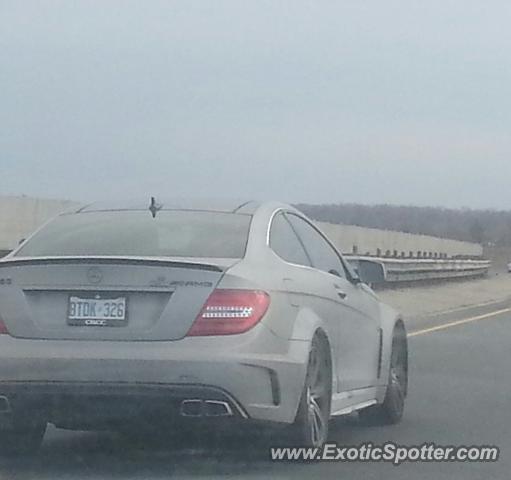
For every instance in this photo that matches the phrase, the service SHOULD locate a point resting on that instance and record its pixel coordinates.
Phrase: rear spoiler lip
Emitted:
(111, 260)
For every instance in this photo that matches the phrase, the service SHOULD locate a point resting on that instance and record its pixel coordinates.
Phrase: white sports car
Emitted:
(116, 314)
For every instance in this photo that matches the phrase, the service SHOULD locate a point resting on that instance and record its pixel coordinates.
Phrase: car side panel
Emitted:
(359, 340)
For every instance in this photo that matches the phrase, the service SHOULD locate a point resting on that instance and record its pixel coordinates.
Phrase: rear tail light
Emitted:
(229, 312)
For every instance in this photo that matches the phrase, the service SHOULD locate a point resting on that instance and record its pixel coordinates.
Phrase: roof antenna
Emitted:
(154, 208)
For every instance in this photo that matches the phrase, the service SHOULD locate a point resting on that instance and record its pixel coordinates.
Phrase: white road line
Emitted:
(468, 307)
(459, 322)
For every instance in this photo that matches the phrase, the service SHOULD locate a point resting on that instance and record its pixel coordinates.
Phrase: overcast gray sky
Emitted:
(404, 102)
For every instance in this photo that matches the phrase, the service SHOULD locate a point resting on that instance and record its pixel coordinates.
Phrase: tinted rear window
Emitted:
(136, 233)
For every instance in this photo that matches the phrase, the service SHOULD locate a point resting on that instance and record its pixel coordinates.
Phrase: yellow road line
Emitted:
(459, 322)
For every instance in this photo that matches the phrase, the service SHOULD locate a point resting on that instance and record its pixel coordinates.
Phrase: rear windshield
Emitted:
(137, 233)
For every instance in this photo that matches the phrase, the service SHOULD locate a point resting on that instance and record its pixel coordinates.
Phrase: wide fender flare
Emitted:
(306, 325)
(389, 319)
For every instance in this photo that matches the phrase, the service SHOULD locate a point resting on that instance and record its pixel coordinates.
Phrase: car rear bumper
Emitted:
(98, 405)
(65, 374)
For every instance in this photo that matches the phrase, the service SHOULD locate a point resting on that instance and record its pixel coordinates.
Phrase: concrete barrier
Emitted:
(386, 243)
(20, 216)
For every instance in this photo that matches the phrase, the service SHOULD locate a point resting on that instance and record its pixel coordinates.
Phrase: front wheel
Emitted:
(391, 410)
(311, 424)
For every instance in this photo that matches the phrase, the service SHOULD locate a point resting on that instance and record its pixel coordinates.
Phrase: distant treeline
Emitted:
(488, 227)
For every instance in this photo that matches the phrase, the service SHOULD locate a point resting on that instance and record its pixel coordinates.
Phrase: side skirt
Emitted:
(348, 402)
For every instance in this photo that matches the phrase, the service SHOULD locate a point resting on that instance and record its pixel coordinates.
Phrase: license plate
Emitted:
(97, 312)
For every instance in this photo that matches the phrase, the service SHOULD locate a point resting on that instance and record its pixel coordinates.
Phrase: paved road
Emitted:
(460, 394)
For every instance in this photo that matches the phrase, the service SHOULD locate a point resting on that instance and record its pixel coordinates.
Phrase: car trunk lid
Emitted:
(105, 298)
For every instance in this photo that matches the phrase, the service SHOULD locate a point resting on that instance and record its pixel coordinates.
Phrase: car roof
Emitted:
(211, 205)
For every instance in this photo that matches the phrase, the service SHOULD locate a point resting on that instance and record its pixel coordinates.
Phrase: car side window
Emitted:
(323, 256)
(285, 243)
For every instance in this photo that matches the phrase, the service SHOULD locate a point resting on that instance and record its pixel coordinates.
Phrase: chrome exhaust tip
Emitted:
(216, 408)
(191, 408)
(205, 408)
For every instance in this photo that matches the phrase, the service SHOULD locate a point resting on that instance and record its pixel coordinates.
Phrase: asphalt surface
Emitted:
(460, 394)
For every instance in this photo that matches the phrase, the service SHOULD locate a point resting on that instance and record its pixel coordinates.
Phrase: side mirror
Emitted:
(371, 272)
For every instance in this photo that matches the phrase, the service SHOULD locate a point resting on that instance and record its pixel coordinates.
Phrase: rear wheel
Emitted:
(22, 436)
(312, 419)
(391, 410)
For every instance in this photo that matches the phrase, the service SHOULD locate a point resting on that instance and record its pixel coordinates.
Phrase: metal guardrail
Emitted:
(418, 270)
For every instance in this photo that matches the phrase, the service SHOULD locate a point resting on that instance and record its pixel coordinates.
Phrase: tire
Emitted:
(22, 437)
(391, 410)
(310, 428)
